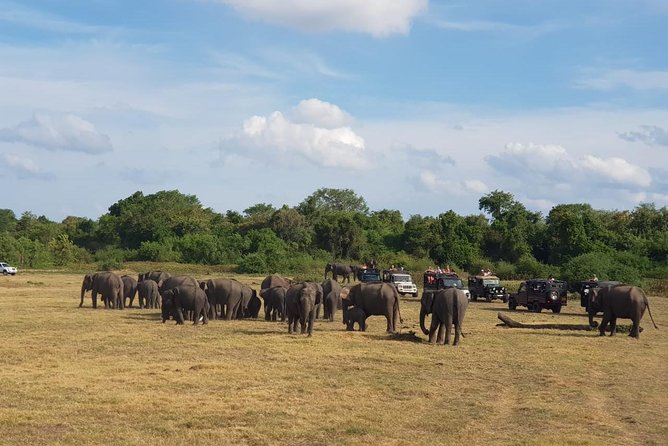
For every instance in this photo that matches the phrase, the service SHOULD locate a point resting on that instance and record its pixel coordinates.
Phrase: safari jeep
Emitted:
(536, 294)
(402, 280)
(369, 275)
(488, 287)
(438, 281)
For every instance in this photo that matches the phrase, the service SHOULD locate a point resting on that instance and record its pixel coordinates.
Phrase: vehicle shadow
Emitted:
(525, 311)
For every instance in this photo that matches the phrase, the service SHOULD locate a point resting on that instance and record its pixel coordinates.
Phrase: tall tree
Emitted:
(333, 200)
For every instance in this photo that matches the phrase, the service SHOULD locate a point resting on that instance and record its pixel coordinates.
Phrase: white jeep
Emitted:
(6, 269)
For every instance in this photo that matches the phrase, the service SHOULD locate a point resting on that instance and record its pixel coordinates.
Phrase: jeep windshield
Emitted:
(456, 283)
(490, 282)
(402, 278)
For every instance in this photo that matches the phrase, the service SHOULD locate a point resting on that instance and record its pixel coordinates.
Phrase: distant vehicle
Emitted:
(6, 269)
(402, 280)
(369, 275)
(536, 294)
(487, 286)
(438, 281)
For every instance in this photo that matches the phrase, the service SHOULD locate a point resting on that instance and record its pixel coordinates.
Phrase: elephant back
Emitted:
(172, 282)
(274, 280)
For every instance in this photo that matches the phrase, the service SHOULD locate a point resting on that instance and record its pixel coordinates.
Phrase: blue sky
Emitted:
(421, 106)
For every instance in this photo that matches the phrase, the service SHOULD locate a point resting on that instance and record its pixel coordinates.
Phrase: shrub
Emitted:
(253, 263)
(605, 266)
(111, 258)
(528, 267)
(157, 252)
(505, 270)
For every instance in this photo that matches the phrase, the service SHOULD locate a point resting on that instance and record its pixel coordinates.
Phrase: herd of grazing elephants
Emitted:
(182, 297)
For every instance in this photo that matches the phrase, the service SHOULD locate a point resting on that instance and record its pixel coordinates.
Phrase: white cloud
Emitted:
(58, 132)
(625, 78)
(376, 17)
(441, 185)
(23, 164)
(280, 137)
(320, 113)
(650, 135)
(617, 170)
(552, 164)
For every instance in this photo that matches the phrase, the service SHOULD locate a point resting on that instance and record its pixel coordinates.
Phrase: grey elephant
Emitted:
(380, 299)
(250, 303)
(157, 276)
(149, 296)
(174, 281)
(623, 301)
(129, 289)
(228, 294)
(185, 298)
(300, 306)
(107, 284)
(274, 303)
(275, 280)
(339, 269)
(331, 291)
(355, 316)
(446, 307)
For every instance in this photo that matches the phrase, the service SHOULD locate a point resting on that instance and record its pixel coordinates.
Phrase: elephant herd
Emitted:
(182, 297)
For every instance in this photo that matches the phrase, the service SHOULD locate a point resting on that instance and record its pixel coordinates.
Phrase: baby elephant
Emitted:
(185, 298)
(355, 315)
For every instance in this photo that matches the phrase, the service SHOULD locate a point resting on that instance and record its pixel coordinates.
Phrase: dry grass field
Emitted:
(73, 375)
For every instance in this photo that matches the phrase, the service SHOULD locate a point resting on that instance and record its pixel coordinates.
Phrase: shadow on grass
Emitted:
(144, 316)
(525, 311)
(410, 336)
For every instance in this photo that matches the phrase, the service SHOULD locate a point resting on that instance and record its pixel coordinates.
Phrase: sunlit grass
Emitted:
(81, 376)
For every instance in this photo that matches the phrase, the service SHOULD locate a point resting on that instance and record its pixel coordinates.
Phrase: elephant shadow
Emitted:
(410, 336)
(144, 316)
(261, 333)
(526, 311)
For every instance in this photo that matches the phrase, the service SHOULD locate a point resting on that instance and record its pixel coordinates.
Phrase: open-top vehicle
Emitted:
(369, 275)
(488, 287)
(437, 281)
(536, 294)
(402, 280)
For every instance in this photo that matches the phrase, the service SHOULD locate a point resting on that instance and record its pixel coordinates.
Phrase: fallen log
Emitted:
(508, 322)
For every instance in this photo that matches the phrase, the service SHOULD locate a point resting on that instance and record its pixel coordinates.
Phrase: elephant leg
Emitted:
(310, 323)
(439, 337)
(317, 311)
(93, 297)
(363, 325)
(604, 324)
(635, 328)
(179, 316)
(432, 329)
(205, 316)
(448, 327)
(613, 325)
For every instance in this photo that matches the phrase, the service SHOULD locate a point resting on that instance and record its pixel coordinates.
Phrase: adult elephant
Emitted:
(185, 298)
(338, 269)
(157, 276)
(275, 280)
(228, 294)
(129, 289)
(250, 303)
(274, 303)
(331, 291)
(174, 281)
(300, 303)
(624, 301)
(149, 296)
(446, 306)
(109, 285)
(380, 299)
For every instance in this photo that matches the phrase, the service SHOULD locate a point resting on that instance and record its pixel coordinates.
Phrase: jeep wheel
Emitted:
(556, 309)
(474, 297)
(4, 273)
(505, 299)
(535, 307)
(414, 295)
(512, 305)
(489, 298)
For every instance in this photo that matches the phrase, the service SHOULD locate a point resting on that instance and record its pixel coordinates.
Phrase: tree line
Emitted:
(572, 241)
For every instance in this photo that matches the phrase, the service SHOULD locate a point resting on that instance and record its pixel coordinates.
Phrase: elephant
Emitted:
(355, 315)
(625, 301)
(275, 280)
(107, 284)
(300, 303)
(228, 294)
(446, 306)
(339, 269)
(380, 299)
(149, 297)
(185, 297)
(129, 289)
(157, 276)
(250, 303)
(274, 303)
(174, 281)
(331, 291)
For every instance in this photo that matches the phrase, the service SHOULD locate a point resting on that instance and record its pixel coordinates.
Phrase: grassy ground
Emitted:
(81, 376)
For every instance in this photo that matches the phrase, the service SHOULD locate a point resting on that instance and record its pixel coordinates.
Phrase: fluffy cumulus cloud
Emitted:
(442, 185)
(649, 134)
(320, 113)
(58, 132)
(22, 167)
(376, 17)
(281, 138)
(552, 164)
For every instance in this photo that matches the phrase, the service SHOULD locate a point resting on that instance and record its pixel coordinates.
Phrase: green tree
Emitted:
(339, 234)
(7, 220)
(333, 200)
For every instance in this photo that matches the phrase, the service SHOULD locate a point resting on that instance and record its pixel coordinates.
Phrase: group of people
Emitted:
(445, 270)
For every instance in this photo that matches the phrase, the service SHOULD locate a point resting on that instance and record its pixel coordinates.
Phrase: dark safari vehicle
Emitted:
(438, 281)
(536, 294)
(369, 275)
(488, 287)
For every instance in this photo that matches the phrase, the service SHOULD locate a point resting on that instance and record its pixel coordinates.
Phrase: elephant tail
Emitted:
(650, 311)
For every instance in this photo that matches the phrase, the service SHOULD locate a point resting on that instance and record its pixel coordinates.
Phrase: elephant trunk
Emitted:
(423, 314)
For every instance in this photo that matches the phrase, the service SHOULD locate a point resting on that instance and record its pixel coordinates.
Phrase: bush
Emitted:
(157, 252)
(253, 263)
(528, 267)
(111, 258)
(505, 270)
(605, 266)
